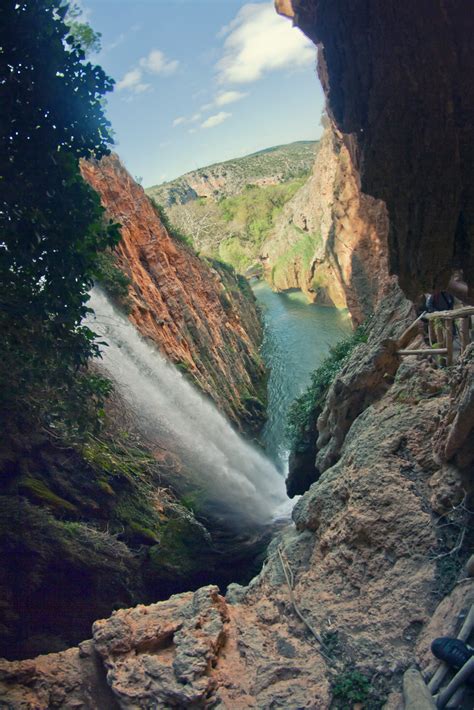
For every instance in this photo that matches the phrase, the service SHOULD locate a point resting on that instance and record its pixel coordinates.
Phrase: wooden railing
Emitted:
(441, 332)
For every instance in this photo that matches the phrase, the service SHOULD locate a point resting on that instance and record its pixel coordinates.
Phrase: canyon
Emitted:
(200, 315)
(373, 566)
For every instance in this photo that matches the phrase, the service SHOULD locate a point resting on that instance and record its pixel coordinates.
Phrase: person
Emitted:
(439, 301)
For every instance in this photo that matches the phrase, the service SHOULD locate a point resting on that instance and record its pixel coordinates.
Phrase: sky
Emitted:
(202, 81)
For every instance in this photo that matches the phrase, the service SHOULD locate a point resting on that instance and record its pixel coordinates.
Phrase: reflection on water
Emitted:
(298, 336)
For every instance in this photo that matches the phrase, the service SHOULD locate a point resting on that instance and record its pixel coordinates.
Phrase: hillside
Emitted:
(266, 167)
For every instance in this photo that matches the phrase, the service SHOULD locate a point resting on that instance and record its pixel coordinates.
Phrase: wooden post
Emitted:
(448, 327)
(424, 351)
(440, 333)
(464, 332)
(458, 680)
(431, 333)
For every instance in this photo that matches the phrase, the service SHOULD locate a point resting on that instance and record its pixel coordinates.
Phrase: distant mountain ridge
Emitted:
(265, 167)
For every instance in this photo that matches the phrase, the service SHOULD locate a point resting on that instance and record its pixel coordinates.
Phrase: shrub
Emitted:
(173, 231)
(305, 408)
(113, 279)
(350, 687)
(302, 252)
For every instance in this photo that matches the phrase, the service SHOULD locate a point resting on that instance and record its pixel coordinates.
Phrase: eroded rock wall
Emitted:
(200, 315)
(366, 555)
(330, 239)
(398, 88)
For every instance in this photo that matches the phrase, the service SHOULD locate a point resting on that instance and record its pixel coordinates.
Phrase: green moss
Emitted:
(181, 549)
(142, 533)
(38, 491)
(117, 458)
(109, 274)
(106, 488)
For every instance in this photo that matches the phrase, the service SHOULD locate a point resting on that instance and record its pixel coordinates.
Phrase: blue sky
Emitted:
(200, 81)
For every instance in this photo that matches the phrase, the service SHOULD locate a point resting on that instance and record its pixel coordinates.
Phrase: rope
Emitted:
(287, 571)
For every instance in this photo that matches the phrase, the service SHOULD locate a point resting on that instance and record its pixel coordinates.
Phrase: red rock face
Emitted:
(347, 231)
(196, 312)
(399, 87)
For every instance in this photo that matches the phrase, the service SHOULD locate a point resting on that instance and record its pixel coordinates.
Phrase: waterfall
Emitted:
(236, 480)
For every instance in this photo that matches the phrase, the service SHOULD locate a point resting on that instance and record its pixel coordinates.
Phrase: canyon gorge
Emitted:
(154, 562)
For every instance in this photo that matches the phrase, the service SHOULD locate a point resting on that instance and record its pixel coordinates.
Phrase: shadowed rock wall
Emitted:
(398, 84)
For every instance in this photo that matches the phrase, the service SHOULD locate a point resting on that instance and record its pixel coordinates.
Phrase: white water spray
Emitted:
(235, 478)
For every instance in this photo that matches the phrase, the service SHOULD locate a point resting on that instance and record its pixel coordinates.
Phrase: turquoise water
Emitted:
(297, 338)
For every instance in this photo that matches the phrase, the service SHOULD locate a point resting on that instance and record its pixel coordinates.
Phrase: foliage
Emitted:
(173, 231)
(51, 221)
(286, 162)
(88, 39)
(246, 220)
(118, 457)
(301, 252)
(113, 279)
(350, 687)
(234, 228)
(304, 409)
(240, 255)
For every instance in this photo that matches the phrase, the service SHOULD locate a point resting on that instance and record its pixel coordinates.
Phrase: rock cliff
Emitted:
(267, 167)
(200, 314)
(330, 240)
(369, 564)
(398, 89)
(379, 541)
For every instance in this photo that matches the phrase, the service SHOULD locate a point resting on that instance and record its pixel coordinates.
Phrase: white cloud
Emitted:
(156, 63)
(183, 120)
(132, 81)
(258, 41)
(229, 97)
(216, 120)
(115, 43)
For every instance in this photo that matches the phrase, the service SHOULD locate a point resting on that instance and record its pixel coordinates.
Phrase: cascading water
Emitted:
(235, 479)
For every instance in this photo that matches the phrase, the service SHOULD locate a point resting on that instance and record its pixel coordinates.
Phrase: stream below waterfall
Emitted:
(297, 338)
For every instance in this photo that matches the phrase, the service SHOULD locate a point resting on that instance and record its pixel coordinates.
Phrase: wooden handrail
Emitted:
(424, 351)
(440, 328)
(451, 315)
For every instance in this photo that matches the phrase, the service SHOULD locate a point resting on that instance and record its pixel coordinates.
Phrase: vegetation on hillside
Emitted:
(234, 228)
(281, 163)
(173, 230)
(301, 253)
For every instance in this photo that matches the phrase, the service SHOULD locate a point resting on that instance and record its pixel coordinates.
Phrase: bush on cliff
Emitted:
(174, 231)
(114, 281)
(305, 410)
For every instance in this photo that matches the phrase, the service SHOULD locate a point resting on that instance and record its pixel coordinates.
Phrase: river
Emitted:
(297, 338)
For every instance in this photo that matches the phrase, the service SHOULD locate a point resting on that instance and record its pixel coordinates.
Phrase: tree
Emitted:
(51, 222)
(81, 31)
